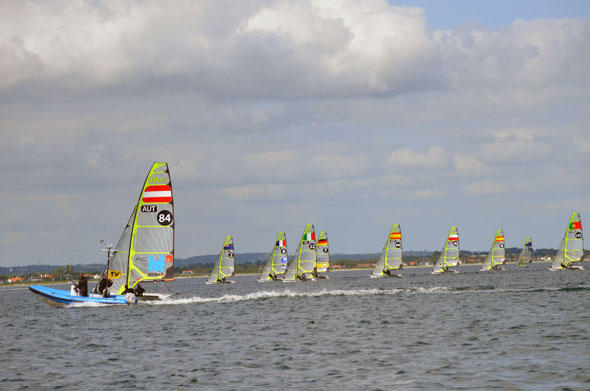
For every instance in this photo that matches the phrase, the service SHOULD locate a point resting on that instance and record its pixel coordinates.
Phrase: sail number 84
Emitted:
(164, 217)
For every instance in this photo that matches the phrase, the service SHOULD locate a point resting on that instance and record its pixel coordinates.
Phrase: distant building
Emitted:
(15, 279)
(187, 272)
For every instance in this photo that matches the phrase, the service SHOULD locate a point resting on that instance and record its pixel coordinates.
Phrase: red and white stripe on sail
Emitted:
(453, 237)
(157, 193)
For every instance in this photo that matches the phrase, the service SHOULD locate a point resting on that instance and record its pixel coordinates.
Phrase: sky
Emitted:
(272, 114)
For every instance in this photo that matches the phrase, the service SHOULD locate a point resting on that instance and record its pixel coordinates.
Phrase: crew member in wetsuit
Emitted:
(82, 286)
(102, 286)
(139, 290)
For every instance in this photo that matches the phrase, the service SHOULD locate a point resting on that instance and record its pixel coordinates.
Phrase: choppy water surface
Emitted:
(521, 329)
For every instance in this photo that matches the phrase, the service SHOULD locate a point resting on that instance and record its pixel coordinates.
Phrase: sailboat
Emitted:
(449, 255)
(322, 251)
(497, 255)
(224, 267)
(526, 254)
(391, 255)
(571, 248)
(276, 265)
(304, 261)
(144, 253)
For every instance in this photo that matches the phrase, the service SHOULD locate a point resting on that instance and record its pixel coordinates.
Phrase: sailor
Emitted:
(102, 286)
(139, 290)
(82, 286)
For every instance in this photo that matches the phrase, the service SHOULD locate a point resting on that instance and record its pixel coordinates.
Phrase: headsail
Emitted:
(145, 250)
(497, 255)
(303, 263)
(526, 255)
(391, 255)
(276, 264)
(571, 248)
(450, 252)
(224, 267)
(322, 253)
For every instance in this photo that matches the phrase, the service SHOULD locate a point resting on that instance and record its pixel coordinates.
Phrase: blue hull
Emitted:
(62, 298)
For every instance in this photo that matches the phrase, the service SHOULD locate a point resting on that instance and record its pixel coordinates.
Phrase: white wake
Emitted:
(291, 294)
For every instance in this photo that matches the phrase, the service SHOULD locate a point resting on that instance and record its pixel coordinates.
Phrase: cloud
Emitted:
(12, 238)
(435, 158)
(255, 192)
(484, 188)
(273, 112)
(426, 194)
(469, 165)
(514, 149)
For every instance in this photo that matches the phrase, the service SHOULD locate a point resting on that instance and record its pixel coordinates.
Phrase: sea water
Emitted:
(521, 329)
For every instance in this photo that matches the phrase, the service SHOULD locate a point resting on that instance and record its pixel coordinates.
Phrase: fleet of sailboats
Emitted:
(145, 252)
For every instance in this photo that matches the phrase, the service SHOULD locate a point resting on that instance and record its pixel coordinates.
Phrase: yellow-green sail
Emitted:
(450, 252)
(497, 255)
(526, 254)
(276, 265)
(224, 267)
(303, 263)
(145, 250)
(391, 255)
(571, 248)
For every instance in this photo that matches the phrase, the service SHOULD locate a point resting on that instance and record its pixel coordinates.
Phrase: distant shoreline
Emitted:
(25, 284)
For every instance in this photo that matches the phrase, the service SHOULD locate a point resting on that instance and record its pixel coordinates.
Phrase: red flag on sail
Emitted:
(157, 193)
